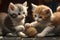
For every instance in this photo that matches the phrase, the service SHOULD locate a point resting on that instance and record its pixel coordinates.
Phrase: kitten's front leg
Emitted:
(33, 24)
(20, 30)
(45, 31)
(21, 34)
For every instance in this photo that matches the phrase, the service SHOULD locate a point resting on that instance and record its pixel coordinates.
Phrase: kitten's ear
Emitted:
(33, 6)
(11, 6)
(25, 3)
(58, 9)
(47, 11)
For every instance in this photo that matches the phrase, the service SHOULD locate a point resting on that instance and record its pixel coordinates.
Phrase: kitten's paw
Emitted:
(21, 34)
(27, 25)
(1, 37)
(20, 28)
(40, 35)
(11, 34)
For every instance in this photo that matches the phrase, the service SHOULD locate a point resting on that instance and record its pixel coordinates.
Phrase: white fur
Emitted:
(12, 11)
(25, 8)
(34, 24)
(25, 3)
(18, 22)
(20, 27)
(52, 16)
(33, 6)
(45, 31)
(22, 34)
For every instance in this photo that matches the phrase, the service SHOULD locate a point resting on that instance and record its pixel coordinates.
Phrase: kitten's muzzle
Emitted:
(39, 20)
(22, 17)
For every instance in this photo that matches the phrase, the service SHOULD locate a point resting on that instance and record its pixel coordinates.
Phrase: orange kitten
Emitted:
(43, 16)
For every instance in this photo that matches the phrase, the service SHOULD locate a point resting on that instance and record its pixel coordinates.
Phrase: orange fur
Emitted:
(44, 16)
(40, 10)
(31, 31)
(58, 9)
(56, 18)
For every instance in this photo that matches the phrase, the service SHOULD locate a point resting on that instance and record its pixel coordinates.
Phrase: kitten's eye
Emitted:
(35, 15)
(40, 16)
(23, 12)
(19, 14)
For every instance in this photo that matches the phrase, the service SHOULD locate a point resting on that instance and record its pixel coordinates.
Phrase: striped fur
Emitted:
(14, 20)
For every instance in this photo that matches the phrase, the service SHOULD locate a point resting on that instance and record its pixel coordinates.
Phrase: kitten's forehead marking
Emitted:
(40, 9)
(19, 6)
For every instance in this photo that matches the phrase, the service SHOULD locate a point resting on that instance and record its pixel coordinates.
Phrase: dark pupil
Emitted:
(35, 15)
(18, 13)
(40, 17)
(23, 12)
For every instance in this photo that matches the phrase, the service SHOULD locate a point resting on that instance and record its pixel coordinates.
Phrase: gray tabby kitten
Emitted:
(13, 22)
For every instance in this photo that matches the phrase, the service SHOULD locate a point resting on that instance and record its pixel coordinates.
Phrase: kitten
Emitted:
(14, 21)
(43, 16)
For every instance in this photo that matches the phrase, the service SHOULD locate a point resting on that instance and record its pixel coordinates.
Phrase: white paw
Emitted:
(22, 34)
(40, 35)
(20, 28)
(10, 34)
(1, 37)
(27, 25)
